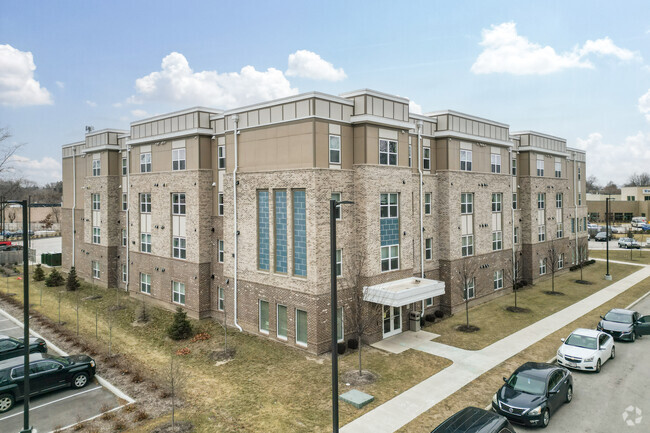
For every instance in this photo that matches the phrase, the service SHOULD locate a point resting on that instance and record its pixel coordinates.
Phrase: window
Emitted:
(466, 160)
(124, 241)
(514, 166)
(282, 322)
(428, 302)
(410, 155)
(96, 273)
(337, 210)
(542, 266)
(540, 167)
(145, 202)
(514, 200)
(559, 200)
(495, 163)
(301, 327)
(426, 158)
(221, 254)
(340, 336)
(388, 205)
(466, 203)
(573, 225)
(630, 198)
(178, 159)
(221, 157)
(124, 167)
(220, 204)
(96, 201)
(497, 198)
(145, 163)
(97, 167)
(96, 235)
(387, 152)
(263, 231)
(498, 279)
(560, 261)
(428, 248)
(335, 149)
(516, 235)
(221, 299)
(145, 242)
(541, 233)
(558, 169)
(541, 200)
(579, 199)
(124, 274)
(497, 241)
(178, 203)
(145, 283)
(579, 173)
(299, 233)
(560, 230)
(389, 258)
(264, 317)
(178, 292)
(179, 248)
(469, 289)
(467, 248)
(427, 203)
(125, 202)
(339, 262)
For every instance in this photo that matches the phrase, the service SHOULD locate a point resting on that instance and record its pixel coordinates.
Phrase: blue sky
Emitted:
(578, 70)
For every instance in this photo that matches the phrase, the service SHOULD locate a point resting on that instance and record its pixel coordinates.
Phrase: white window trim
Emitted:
(221, 156)
(277, 322)
(176, 158)
(388, 152)
(96, 272)
(220, 248)
(388, 205)
(220, 209)
(300, 343)
(495, 163)
(149, 283)
(342, 339)
(146, 163)
(473, 287)
(179, 293)
(428, 250)
(468, 246)
(426, 159)
(339, 209)
(179, 248)
(390, 258)
(221, 299)
(178, 204)
(427, 202)
(259, 316)
(339, 263)
(542, 266)
(498, 277)
(466, 203)
(467, 160)
(330, 149)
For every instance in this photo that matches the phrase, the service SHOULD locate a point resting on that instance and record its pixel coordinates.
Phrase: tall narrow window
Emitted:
(145, 283)
(124, 167)
(560, 261)
(178, 203)
(97, 167)
(340, 335)
(497, 199)
(427, 203)
(426, 158)
(389, 258)
(96, 202)
(145, 202)
(495, 165)
(541, 233)
(179, 247)
(124, 274)
(220, 204)
(263, 247)
(178, 292)
(467, 245)
(280, 231)
(221, 299)
(466, 160)
(335, 149)
(428, 248)
(301, 327)
(558, 169)
(221, 253)
(282, 322)
(96, 273)
(560, 230)
(541, 200)
(145, 242)
(96, 235)
(579, 173)
(497, 241)
(579, 199)
(540, 167)
(466, 203)
(389, 231)
(410, 155)
(221, 157)
(337, 211)
(515, 235)
(178, 159)
(542, 266)
(339, 262)
(559, 199)
(498, 279)
(299, 233)
(387, 152)
(514, 200)
(145, 162)
(264, 317)
(469, 289)
(514, 166)
(125, 202)
(124, 241)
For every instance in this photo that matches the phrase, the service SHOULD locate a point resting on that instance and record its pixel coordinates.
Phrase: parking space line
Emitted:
(7, 329)
(52, 402)
(4, 320)
(90, 419)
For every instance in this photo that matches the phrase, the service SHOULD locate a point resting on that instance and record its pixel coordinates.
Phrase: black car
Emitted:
(602, 236)
(11, 347)
(475, 420)
(624, 324)
(533, 393)
(46, 373)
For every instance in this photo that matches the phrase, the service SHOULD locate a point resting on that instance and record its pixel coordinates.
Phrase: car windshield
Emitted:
(527, 384)
(582, 341)
(618, 317)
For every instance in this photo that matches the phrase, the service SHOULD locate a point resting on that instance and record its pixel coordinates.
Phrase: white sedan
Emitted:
(586, 349)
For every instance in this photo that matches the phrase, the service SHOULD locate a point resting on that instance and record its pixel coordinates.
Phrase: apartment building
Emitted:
(226, 213)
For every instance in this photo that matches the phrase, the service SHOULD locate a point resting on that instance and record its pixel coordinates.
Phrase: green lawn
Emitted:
(496, 322)
(641, 256)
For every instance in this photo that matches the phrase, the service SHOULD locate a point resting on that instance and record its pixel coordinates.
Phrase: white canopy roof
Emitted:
(403, 292)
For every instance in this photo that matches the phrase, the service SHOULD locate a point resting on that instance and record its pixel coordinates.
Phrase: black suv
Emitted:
(475, 420)
(46, 373)
(12, 347)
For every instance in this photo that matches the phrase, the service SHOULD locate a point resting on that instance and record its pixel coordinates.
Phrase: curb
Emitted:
(103, 382)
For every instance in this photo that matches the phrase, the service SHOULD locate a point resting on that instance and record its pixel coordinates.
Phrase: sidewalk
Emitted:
(469, 365)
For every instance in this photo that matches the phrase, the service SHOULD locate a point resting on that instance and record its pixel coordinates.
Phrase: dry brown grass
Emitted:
(641, 256)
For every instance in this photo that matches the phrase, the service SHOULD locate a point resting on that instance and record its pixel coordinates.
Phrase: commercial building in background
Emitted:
(226, 213)
(633, 201)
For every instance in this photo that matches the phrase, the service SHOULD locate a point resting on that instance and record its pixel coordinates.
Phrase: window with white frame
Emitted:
(335, 149)
(516, 235)
(145, 242)
(145, 202)
(410, 155)
(559, 200)
(178, 159)
(497, 241)
(96, 273)
(220, 204)
(96, 201)
(387, 152)
(145, 162)
(389, 258)
(124, 273)
(428, 248)
(579, 173)
(97, 167)
(145, 283)
(282, 319)
(221, 299)
(388, 205)
(498, 279)
(495, 163)
(340, 334)
(514, 166)
(179, 247)
(497, 199)
(579, 199)
(264, 316)
(124, 241)
(221, 157)
(540, 167)
(466, 160)
(178, 203)
(178, 292)
(426, 158)
(124, 167)
(469, 289)
(558, 169)
(125, 202)
(301, 327)
(541, 233)
(514, 200)
(428, 302)
(466, 203)
(467, 245)
(542, 266)
(339, 262)
(560, 230)
(96, 235)
(560, 261)
(427, 203)
(541, 200)
(221, 253)
(337, 210)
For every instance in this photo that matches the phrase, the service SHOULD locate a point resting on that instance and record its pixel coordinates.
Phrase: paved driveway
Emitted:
(43, 245)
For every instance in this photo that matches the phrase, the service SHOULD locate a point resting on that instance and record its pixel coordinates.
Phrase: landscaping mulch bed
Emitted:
(585, 282)
(514, 309)
(353, 378)
(222, 355)
(551, 293)
(179, 427)
(467, 328)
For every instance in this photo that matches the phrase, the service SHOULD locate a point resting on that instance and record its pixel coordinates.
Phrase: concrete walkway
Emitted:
(469, 365)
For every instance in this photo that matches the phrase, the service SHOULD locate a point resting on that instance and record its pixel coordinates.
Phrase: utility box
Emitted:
(414, 321)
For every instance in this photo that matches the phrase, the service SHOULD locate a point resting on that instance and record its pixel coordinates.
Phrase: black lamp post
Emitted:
(334, 307)
(607, 275)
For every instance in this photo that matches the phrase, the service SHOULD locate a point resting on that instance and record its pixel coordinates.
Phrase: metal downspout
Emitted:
(74, 200)
(575, 202)
(128, 215)
(235, 119)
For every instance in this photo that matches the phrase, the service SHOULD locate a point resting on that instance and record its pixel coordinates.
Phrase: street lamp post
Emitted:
(607, 275)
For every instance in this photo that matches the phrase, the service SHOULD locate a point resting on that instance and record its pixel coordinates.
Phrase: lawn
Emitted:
(496, 322)
(267, 387)
(480, 391)
(641, 256)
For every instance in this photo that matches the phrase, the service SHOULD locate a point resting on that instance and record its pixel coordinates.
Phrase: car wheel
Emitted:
(546, 417)
(80, 380)
(569, 394)
(598, 366)
(633, 337)
(613, 354)
(6, 402)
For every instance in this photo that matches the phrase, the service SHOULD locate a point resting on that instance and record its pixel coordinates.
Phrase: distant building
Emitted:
(633, 201)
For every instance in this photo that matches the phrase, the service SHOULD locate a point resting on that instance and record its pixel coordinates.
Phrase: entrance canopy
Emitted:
(403, 292)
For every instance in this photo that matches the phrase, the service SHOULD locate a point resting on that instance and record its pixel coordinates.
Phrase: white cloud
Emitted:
(506, 51)
(415, 108)
(40, 171)
(177, 83)
(644, 105)
(60, 84)
(139, 113)
(307, 64)
(17, 83)
(615, 161)
(91, 103)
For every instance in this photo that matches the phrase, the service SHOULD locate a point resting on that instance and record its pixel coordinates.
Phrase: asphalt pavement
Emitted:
(43, 245)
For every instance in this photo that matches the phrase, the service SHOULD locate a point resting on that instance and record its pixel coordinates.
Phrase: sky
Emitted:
(579, 70)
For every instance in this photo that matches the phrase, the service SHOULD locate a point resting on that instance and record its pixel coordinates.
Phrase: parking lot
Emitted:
(616, 399)
(44, 245)
(61, 408)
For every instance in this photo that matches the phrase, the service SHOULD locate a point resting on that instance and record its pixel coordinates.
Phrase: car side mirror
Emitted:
(602, 317)
(60, 367)
(553, 392)
(562, 340)
(505, 379)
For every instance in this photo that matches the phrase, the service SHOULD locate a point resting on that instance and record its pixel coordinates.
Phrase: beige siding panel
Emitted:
(372, 145)
(347, 150)
(347, 113)
(322, 108)
(377, 107)
(359, 107)
(302, 109)
(276, 114)
(335, 111)
(265, 116)
(322, 145)
(388, 109)
(359, 144)
(289, 111)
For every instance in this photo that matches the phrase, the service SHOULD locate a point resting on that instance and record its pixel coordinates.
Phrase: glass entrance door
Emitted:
(392, 320)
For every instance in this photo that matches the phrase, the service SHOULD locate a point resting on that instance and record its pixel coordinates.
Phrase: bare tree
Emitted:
(630, 234)
(611, 188)
(592, 184)
(7, 150)
(514, 275)
(56, 213)
(467, 274)
(175, 381)
(583, 254)
(642, 179)
(552, 256)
